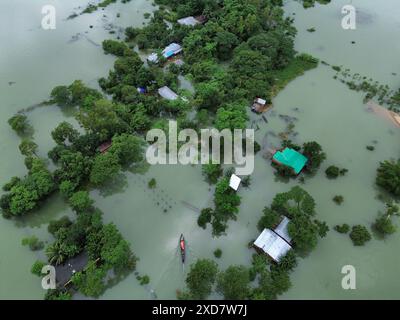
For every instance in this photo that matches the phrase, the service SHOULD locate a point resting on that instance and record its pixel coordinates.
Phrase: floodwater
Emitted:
(320, 107)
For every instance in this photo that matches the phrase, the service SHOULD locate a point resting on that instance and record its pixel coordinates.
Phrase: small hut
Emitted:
(259, 105)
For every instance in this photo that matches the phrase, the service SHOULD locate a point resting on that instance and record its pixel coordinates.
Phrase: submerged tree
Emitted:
(201, 278)
(388, 176)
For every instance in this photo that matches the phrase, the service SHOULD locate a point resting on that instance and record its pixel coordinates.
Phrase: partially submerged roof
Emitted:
(282, 230)
(65, 271)
(272, 244)
(188, 21)
(291, 158)
(167, 93)
(234, 182)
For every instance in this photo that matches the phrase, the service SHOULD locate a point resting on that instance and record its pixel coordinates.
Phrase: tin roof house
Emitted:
(169, 51)
(275, 243)
(272, 244)
(290, 158)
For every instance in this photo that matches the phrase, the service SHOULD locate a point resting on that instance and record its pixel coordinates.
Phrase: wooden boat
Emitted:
(182, 246)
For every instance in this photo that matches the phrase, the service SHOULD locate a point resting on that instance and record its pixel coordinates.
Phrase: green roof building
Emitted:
(290, 158)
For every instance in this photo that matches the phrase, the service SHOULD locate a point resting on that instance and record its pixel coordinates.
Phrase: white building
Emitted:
(272, 244)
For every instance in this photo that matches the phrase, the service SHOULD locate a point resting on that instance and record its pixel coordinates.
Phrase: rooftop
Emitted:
(188, 21)
(272, 244)
(291, 158)
(167, 93)
(234, 182)
(282, 230)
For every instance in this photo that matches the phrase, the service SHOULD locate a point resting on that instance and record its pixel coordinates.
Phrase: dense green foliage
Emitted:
(201, 278)
(212, 172)
(26, 194)
(33, 243)
(359, 235)
(234, 283)
(388, 176)
(383, 224)
(19, 123)
(344, 228)
(226, 202)
(36, 268)
(338, 199)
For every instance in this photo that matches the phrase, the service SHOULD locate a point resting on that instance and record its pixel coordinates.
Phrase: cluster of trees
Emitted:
(212, 172)
(75, 94)
(299, 207)
(311, 3)
(359, 235)
(24, 195)
(388, 176)
(383, 224)
(20, 124)
(105, 246)
(332, 172)
(204, 276)
(93, 7)
(263, 280)
(226, 207)
(254, 38)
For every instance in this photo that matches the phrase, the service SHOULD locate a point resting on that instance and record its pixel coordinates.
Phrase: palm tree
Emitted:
(55, 253)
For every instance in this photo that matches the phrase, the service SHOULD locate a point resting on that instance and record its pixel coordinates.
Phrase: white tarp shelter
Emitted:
(272, 244)
(188, 21)
(234, 182)
(167, 93)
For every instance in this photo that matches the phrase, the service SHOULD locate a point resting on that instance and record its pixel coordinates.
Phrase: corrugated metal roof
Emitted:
(272, 244)
(171, 50)
(282, 229)
(167, 93)
(291, 158)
